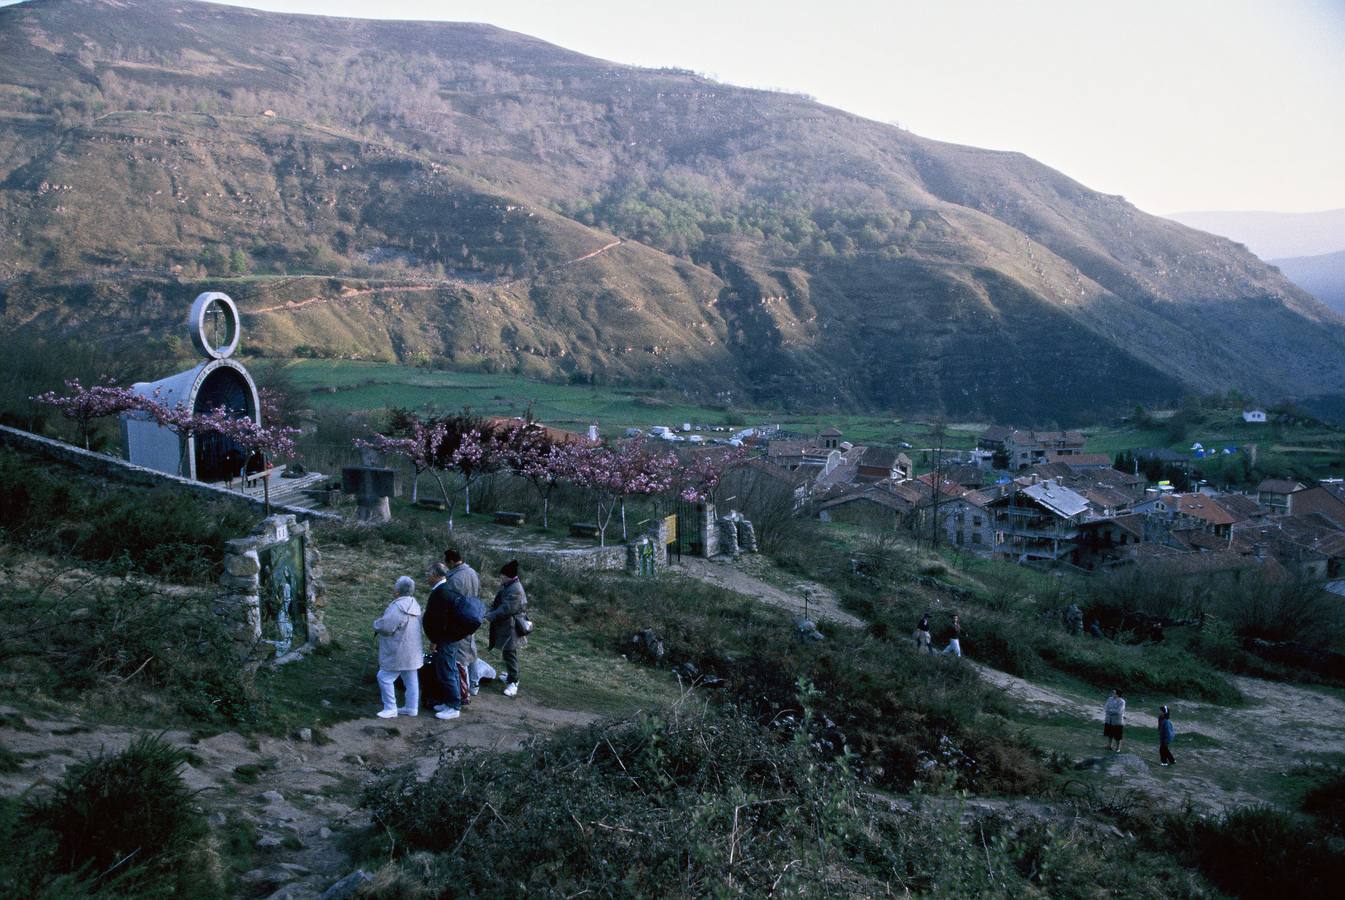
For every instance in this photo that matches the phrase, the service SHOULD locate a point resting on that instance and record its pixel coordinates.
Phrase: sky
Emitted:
(1176, 104)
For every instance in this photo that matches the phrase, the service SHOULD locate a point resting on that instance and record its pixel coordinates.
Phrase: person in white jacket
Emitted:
(401, 650)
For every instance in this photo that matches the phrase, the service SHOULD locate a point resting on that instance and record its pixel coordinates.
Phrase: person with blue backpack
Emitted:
(453, 613)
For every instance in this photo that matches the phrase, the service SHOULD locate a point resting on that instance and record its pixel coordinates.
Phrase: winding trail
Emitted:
(420, 286)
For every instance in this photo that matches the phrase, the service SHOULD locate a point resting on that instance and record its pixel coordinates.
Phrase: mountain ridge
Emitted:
(770, 246)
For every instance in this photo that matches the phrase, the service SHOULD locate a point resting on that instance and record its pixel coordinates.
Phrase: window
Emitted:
(976, 520)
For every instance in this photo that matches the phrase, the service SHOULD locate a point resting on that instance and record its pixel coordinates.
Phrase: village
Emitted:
(1036, 498)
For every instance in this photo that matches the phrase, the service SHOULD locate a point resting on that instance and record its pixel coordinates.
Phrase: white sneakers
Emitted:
(408, 711)
(448, 713)
(511, 689)
(387, 713)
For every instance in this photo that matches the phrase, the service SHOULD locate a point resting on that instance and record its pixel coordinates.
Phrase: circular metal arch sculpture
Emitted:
(215, 330)
(214, 325)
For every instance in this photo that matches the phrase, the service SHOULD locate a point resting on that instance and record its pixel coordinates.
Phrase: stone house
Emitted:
(1039, 521)
(883, 463)
(1105, 544)
(1028, 448)
(1277, 495)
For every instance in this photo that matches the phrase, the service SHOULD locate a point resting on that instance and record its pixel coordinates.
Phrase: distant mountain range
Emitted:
(1274, 235)
(465, 196)
(1322, 276)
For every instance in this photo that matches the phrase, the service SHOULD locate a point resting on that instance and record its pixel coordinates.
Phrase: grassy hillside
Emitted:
(407, 191)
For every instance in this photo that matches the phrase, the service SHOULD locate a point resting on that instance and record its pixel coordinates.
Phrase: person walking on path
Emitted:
(401, 650)
(923, 641)
(463, 580)
(954, 637)
(1113, 720)
(1166, 731)
(508, 623)
(438, 612)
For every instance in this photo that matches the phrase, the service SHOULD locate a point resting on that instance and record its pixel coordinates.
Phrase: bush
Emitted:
(121, 824)
(1327, 803)
(1259, 852)
(895, 711)
(160, 531)
(116, 638)
(704, 802)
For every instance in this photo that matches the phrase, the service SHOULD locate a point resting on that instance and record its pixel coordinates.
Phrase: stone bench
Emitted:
(584, 530)
(509, 518)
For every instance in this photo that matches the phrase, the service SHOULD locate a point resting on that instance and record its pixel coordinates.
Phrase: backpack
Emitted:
(464, 616)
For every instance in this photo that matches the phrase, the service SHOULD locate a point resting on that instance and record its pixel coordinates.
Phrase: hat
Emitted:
(510, 569)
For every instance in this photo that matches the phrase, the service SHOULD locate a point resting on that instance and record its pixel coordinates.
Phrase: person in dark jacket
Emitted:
(506, 618)
(438, 610)
(954, 635)
(923, 640)
(1166, 731)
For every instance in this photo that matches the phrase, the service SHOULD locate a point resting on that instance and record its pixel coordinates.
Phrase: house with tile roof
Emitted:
(1039, 521)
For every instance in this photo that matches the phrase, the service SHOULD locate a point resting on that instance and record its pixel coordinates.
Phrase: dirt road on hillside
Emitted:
(822, 603)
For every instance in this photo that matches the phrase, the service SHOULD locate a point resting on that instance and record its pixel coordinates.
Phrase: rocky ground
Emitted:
(295, 798)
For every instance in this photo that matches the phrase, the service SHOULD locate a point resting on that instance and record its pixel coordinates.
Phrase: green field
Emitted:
(359, 386)
(352, 386)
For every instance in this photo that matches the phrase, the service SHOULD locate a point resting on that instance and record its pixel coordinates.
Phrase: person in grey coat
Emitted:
(463, 580)
(505, 617)
(401, 650)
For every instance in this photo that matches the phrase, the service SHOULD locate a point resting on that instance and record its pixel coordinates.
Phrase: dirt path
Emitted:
(1225, 756)
(352, 293)
(296, 797)
(822, 603)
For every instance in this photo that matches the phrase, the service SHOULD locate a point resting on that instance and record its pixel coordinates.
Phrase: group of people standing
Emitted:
(1113, 727)
(452, 614)
(925, 641)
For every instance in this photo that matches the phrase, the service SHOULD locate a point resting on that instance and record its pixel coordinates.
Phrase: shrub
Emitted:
(115, 638)
(1259, 852)
(708, 802)
(121, 824)
(1327, 803)
(894, 710)
(160, 531)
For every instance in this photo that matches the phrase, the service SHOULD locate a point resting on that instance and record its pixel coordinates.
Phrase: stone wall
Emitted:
(114, 469)
(586, 559)
(240, 600)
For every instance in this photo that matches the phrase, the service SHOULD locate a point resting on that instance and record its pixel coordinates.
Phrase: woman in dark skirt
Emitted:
(1113, 720)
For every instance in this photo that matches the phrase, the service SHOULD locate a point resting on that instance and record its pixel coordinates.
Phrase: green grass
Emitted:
(356, 386)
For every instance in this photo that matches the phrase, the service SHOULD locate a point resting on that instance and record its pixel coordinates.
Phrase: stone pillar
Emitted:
(709, 531)
(372, 486)
(747, 535)
(728, 536)
(239, 602)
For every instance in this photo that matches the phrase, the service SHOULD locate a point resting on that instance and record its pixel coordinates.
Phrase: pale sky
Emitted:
(1176, 104)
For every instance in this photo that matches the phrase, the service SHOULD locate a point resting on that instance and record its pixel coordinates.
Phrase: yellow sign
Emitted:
(670, 528)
